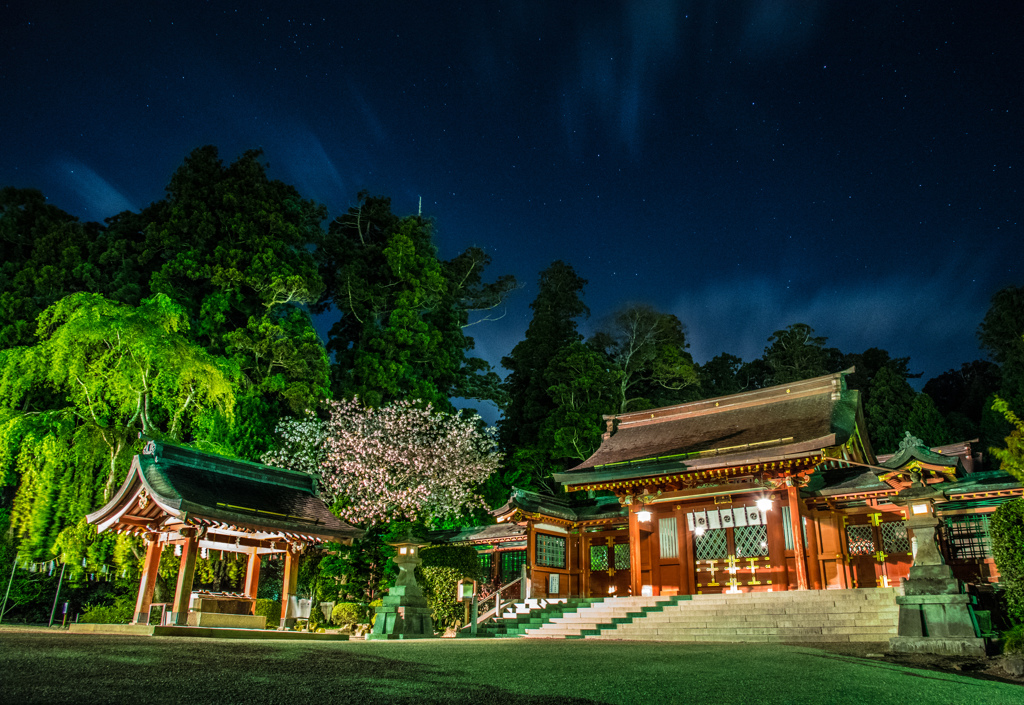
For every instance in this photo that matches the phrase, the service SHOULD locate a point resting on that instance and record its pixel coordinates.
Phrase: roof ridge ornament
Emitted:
(910, 442)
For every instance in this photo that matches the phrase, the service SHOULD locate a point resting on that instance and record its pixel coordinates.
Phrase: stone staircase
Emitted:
(532, 614)
(806, 616)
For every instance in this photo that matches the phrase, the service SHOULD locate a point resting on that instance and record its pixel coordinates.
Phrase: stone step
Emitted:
(797, 616)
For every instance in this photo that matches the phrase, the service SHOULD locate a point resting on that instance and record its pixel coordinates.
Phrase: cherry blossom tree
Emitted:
(395, 462)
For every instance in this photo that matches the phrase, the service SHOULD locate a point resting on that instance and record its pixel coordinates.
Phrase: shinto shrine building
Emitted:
(767, 490)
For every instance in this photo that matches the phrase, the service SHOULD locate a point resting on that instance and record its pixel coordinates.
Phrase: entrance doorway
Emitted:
(608, 563)
(879, 549)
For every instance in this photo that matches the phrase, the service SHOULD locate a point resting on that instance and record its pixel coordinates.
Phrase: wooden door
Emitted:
(879, 549)
(733, 560)
(608, 564)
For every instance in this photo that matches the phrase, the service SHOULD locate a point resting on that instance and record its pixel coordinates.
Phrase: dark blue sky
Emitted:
(745, 165)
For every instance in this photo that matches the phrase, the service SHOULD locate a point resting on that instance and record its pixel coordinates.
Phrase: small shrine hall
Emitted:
(771, 489)
(198, 502)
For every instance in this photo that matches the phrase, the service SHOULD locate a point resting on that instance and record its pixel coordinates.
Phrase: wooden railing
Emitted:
(483, 615)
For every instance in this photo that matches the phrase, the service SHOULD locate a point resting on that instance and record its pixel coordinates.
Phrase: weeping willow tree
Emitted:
(72, 407)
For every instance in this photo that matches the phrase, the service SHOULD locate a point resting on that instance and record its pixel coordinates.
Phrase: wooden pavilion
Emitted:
(772, 489)
(177, 496)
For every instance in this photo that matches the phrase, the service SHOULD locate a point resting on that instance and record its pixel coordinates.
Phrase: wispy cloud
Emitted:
(618, 65)
(309, 168)
(738, 316)
(100, 199)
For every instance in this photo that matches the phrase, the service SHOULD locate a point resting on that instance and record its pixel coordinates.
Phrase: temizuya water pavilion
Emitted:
(182, 497)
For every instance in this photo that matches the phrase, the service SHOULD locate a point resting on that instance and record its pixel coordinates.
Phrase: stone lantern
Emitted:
(404, 614)
(936, 615)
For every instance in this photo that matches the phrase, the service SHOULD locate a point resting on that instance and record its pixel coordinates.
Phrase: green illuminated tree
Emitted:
(583, 387)
(235, 249)
(1011, 458)
(74, 404)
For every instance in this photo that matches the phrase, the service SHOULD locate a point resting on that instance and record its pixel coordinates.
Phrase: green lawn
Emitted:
(55, 667)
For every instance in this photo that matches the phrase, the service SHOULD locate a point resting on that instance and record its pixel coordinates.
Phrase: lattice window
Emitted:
(551, 551)
(894, 537)
(621, 556)
(710, 545)
(599, 558)
(668, 537)
(511, 564)
(486, 560)
(969, 536)
(751, 541)
(860, 540)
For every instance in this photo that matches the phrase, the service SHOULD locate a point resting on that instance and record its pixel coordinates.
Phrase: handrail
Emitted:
(496, 596)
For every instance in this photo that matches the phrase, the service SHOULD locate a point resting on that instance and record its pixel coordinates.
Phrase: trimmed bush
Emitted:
(271, 609)
(443, 567)
(349, 614)
(1007, 527)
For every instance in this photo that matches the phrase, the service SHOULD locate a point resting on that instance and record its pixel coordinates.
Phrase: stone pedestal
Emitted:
(404, 615)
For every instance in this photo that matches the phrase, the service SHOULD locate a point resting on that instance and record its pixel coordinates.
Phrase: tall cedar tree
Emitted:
(528, 450)
(234, 248)
(795, 353)
(553, 328)
(404, 311)
(888, 410)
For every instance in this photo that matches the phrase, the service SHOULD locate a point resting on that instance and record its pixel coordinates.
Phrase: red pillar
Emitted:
(252, 574)
(584, 565)
(686, 565)
(798, 541)
(813, 562)
(526, 589)
(291, 582)
(147, 583)
(186, 573)
(635, 577)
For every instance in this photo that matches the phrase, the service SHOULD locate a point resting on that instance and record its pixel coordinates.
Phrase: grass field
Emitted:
(56, 667)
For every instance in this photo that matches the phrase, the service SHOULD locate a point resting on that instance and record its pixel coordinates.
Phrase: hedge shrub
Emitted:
(271, 609)
(443, 566)
(121, 612)
(1007, 527)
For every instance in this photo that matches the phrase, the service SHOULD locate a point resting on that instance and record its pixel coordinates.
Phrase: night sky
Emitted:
(745, 165)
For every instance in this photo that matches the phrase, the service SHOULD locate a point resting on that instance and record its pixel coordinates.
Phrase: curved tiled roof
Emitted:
(774, 422)
(201, 487)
